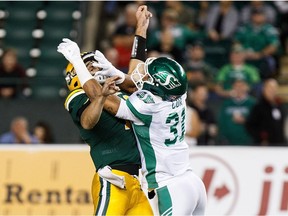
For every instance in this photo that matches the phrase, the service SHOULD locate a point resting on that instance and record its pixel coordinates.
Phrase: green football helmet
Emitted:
(161, 76)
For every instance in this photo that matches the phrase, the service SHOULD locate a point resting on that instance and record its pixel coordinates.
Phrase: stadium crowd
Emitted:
(231, 52)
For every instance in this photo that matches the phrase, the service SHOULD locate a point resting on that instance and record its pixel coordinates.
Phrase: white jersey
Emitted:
(159, 127)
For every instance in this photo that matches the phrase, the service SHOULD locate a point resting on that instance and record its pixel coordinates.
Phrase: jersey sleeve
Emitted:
(75, 104)
(272, 36)
(138, 108)
(221, 76)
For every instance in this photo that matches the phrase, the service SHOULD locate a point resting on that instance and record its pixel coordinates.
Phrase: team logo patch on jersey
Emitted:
(168, 81)
(146, 98)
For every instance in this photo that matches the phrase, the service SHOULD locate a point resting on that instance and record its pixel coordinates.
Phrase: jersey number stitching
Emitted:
(174, 118)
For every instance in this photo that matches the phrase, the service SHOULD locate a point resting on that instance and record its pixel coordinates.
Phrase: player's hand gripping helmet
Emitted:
(72, 79)
(162, 76)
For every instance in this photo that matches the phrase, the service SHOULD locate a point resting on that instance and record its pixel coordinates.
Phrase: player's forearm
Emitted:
(92, 113)
(141, 31)
(132, 65)
(128, 85)
(92, 89)
(138, 53)
(112, 104)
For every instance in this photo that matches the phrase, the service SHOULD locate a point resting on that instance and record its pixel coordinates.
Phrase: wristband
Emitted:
(82, 72)
(139, 48)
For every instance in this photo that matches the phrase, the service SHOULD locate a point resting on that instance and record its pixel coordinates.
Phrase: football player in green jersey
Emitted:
(157, 111)
(116, 189)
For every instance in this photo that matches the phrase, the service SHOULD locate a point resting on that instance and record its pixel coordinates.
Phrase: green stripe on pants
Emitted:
(164, 201)
(104, 197)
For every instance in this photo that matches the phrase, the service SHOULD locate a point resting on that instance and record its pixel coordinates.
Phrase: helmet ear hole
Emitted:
(75, 84)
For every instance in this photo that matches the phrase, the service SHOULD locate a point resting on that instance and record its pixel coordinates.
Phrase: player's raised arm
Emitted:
(71, 52)
(92, 88)
(92, 113)
(108, 70)
(138, 53)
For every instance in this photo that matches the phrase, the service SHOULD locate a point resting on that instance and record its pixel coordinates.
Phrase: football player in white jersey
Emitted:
(158, 111)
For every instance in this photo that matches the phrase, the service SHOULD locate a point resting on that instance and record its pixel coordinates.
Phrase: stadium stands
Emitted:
(34, 29)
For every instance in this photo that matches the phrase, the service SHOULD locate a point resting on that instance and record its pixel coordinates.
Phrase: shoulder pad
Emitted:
(71, 96)
(145, 96)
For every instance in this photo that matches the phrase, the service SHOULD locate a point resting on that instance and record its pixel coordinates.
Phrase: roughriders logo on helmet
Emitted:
(167, 80)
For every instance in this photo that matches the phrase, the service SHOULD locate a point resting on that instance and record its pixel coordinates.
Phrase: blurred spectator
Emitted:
(43, 133)
(266, 120)
(222, 21)
(11, 74)
(19, 133)
(267, 9)
(182, 34)
(112, 55)
(233, 114)
(261, 42)
(202, 14)
(282, 7)
(187, 14)
(167, 47)
(193, 126)
(124, 35)
(237, 68)
(153, 53)
(196, 67)
(197, 99)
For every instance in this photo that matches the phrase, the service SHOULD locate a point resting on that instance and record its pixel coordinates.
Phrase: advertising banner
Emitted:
(243, 180)
(56, 179)
(45, 180)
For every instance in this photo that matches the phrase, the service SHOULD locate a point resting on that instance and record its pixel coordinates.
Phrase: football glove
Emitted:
(70, 50)
(108, 70)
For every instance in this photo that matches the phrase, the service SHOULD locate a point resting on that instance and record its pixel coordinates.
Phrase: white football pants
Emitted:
(183, 195)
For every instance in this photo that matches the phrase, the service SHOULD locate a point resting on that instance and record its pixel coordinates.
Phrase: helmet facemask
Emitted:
(140, 74)
(161, 76)
(69, 76)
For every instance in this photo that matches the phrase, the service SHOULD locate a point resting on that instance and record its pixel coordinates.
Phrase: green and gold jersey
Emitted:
(111, 141)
